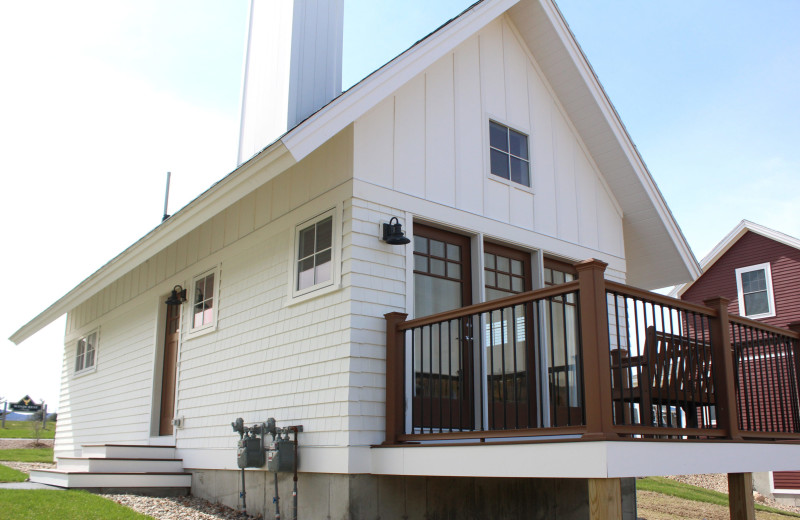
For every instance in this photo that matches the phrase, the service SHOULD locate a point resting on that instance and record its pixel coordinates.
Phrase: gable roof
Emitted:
(729, 241)
(656, 251)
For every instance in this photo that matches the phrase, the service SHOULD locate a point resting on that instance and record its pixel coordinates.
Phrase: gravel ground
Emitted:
(16, 444)
(179, 508)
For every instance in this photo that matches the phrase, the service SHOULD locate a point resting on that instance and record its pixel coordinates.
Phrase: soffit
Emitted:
(656, 251)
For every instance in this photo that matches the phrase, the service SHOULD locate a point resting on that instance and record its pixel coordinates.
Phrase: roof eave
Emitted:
(724, 245)
(691, 268)
(267, 164)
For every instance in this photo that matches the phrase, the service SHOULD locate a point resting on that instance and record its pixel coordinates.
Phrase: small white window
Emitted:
(314, 254)
(86, 353)
(205, 300)
(508, 154)
(754, 285)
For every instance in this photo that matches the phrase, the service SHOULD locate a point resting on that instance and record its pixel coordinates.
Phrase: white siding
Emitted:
(377, 283)
(268, 357)
(112, 403)
(438, 123)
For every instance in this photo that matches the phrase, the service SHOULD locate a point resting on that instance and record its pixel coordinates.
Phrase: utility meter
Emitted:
(280, 455)
(250, 453)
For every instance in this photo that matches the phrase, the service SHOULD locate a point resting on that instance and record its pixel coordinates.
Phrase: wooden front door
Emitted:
(169, 369)
(509, 341)
(442, 357)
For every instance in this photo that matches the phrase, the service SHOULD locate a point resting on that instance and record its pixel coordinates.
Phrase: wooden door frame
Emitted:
(531, 360)
(468, 402)
(158, 362)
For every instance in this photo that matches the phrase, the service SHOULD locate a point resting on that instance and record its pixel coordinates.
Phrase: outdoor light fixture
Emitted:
(177, 297)
(393, 233)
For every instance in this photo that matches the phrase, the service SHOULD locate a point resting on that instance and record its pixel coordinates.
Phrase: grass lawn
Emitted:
(11, 475)
(28, 455)
(23, 430)
(44, 504)
(673, 488)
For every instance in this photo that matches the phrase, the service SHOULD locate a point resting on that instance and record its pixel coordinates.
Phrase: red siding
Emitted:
(720, 280)
(751, 249)
(786, 480)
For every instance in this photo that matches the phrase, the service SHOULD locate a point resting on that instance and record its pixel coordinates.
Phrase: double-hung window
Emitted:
(86, 353)
(314, 254)
(205, 301)
(754, 288)
(508, 154)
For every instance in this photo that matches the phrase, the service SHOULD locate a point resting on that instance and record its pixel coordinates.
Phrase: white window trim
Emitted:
(487, 154)
(209, 327)
(297, 296)
(87, 370)
(770, 295)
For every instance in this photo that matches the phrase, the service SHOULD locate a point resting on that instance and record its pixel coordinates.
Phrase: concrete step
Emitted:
(127, 451)
(119, 465)
(110, 480)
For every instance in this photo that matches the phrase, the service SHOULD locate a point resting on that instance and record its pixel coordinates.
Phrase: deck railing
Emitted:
(592, 359)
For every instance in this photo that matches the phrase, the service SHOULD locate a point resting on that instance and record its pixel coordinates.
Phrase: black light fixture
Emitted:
(393, 233)
(177, 297)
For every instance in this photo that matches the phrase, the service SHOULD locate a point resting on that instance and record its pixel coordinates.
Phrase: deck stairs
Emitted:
(118, 468)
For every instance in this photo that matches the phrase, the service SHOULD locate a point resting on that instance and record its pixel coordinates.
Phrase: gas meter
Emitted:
(250, 452)
(280, 454)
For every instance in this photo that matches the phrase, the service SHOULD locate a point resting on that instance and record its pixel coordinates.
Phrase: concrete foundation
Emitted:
(381, 497)
(762, 483)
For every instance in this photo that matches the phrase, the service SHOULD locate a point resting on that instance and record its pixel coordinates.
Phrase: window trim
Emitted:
(93, 367)
(298, 295)
(770, 294)
(488, 147)
(193, 331)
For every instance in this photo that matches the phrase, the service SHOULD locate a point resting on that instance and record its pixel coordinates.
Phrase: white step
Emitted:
(83, 480)
(127, 451)
(109, 465)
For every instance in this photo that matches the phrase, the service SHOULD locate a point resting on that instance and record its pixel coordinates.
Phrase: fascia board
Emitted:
(263, 167)
(354, 103)
(622, 137)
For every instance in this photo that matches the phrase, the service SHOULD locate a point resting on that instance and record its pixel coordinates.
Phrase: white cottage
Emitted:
(493, 144)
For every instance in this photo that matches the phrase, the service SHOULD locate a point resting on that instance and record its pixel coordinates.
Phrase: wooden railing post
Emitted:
(724, 376)
(594, 345)
(395, 377)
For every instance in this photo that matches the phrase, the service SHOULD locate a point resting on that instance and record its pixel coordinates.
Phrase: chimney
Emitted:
(293, 67)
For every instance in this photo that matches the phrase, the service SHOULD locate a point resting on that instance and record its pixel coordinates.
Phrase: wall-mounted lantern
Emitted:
(177, 297)
(393, 233)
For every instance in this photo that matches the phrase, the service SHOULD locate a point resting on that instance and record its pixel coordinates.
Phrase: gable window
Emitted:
(86, 353)
(508, 154)
(205, 300)
(314, 248)
(754, 285)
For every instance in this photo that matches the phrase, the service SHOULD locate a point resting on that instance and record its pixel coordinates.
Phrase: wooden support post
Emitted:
(724, 377)
(740, 496)
(594, 347)
(605, 499)
(395, 377)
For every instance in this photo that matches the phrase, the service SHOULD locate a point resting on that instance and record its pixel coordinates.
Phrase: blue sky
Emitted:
(100, 99)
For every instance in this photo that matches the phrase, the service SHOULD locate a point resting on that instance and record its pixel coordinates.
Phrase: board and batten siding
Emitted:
(265, 359)
(753, 249)
(430, 140)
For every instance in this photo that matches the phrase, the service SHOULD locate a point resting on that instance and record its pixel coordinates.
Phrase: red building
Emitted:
(758, 270)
